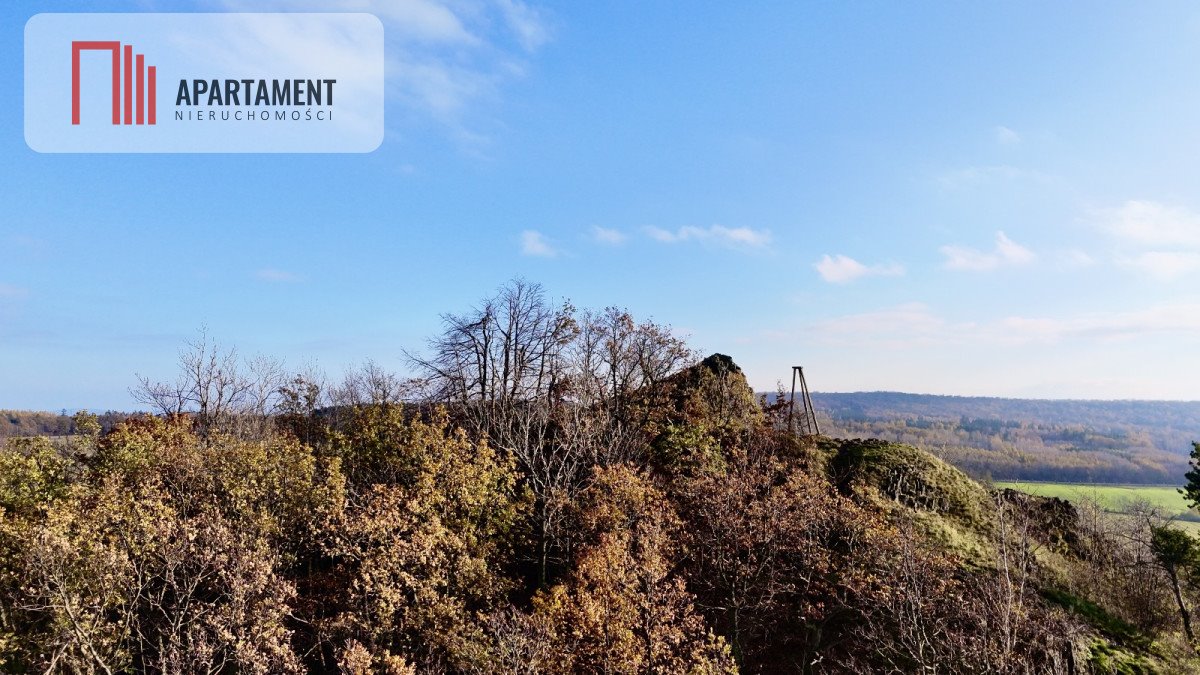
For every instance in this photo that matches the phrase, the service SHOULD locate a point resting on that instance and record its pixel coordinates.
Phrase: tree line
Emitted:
(1107, 441)
(1001, 449)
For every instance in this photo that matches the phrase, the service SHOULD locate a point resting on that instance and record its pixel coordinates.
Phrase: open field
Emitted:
(1114, 498)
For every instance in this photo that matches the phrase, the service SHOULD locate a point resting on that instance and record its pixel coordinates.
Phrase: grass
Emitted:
(1114, 498)
(943, 501)
(1095, 615)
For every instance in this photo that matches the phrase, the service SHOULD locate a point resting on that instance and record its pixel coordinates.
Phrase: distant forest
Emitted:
(24, 423)
(1027, 439)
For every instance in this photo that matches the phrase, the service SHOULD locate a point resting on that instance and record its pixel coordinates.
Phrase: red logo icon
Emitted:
(145, 109)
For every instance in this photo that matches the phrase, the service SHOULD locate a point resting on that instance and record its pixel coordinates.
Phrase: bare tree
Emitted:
(501, 369)
(549, 388)
(301, 399)
(617, 366)
(371, 384)
(221, 391)
(510, 348)
(1008, 596)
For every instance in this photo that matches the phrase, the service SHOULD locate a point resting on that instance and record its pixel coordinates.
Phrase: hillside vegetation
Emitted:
(561, 492)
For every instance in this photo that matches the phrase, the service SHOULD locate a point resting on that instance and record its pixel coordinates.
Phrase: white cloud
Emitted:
(907, 325)
(841, 269)
(659, 234)
(526, 23)
(1006, 253)
(1163, 265)
(1105, 326)
(291, 42)
(608, 236)
(421, 21)
(1152, 224)
(973, 176)
(916, 325)
(275, 276)
(714, 234)
(445, 59)
(1076, 258)
(1153, 239)
(1006, 136)
(533, 243)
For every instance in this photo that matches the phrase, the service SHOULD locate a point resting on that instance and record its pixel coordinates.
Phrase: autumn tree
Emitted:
(423, 544)
(552, 388)
(911, 620)
(773, 552)
(166, 553)
(623, 610)
(218, 388)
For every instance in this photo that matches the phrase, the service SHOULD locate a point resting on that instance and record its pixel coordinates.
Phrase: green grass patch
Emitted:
(1114, 498)
(945, 504)
(1095, 615)
(1125, 649)
(1108, 659)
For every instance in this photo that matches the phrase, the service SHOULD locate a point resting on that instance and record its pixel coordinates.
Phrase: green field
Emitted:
(1114, 498)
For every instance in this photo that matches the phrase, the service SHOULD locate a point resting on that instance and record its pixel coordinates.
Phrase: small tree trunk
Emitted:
(1184, 614)
(543, 547)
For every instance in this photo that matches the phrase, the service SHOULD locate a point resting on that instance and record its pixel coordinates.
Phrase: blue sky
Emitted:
(958, 198)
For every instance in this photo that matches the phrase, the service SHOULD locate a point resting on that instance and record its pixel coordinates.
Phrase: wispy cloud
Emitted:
(608, 236)
(914, 325)
(1006, 136)
(276, 276)
(1152, 224)
(1175, 318)
(446, 60)
(1163, 265)
(1156, 240)
(1007, 253)
(743, 237)
(1076, 258)
(534, 243)
(10, 292)
(423, 21)
(527, 23)
(841, 269)
(907, 325)
(975, 176)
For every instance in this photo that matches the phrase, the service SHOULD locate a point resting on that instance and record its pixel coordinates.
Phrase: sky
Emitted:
(992, 199)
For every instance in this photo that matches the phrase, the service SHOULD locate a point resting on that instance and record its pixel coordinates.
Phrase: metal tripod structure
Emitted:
(806, 422)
